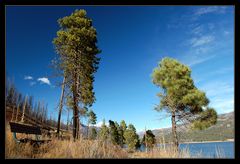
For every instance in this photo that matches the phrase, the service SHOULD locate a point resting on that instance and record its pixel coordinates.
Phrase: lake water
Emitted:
(209, 150)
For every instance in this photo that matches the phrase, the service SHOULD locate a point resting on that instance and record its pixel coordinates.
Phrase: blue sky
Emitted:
(133, 39)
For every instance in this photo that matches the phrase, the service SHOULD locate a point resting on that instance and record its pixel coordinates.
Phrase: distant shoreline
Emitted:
(229, 140)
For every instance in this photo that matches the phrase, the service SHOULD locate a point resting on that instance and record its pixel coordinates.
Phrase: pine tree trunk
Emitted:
(60, 107)
(78, 118)
(68, 120)
(174, 131)
(75, 109)
(79, 127)
(88, 131)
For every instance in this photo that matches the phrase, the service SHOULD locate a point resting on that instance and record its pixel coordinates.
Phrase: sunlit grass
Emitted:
(64, 149)
(83, 148)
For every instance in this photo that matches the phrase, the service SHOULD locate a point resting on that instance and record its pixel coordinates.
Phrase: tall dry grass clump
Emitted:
(165, 150)
(81, 149)
(17, 150)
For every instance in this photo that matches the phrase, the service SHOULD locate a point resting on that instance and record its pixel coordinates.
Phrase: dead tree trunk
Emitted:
(24, 108)
(17, 113)
(60, 107)
(13, 113)
(146, 145)
(42, 112)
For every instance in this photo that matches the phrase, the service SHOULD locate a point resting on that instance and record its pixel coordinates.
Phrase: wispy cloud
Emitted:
(194, 59)
(201, 43)
(195, 42)
(215, 89)
(205, 42)
(28, 78)
(199, 48)
(198, 30)
(32, 83)
(197, 55)
(223, 105)
(44, 80)
(214, 73)
(221, 95)
(210, 9)
(211, 26)
(226, 32)
(223, 70)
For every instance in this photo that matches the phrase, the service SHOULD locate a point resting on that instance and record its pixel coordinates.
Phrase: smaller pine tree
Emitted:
(131, 138)
(104, 132)
(148, 139)
(93, 133)
(122, 129)
(113, 132)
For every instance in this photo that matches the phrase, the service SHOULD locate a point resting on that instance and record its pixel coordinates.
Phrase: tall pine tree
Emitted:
(76, 46)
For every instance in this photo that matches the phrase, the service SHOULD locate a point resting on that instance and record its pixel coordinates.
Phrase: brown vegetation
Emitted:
(63, 149)
(83, 148)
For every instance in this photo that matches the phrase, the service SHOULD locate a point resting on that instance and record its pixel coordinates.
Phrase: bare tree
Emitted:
(60, 106)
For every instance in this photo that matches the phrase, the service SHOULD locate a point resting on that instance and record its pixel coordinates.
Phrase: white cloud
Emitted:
(28, 77)
(203, 40)
(44, 80)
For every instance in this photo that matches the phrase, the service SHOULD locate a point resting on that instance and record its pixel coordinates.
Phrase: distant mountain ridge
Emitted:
(223, 130)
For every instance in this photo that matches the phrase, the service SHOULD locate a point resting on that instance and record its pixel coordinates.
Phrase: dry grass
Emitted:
(163, 151)
(81, 149)
(90, 149)
(168, 152)
(160, 152)
(63, 149)
(14, 150)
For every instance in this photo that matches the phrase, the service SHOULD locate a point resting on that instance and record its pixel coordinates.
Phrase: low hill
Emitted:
(223, 130)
